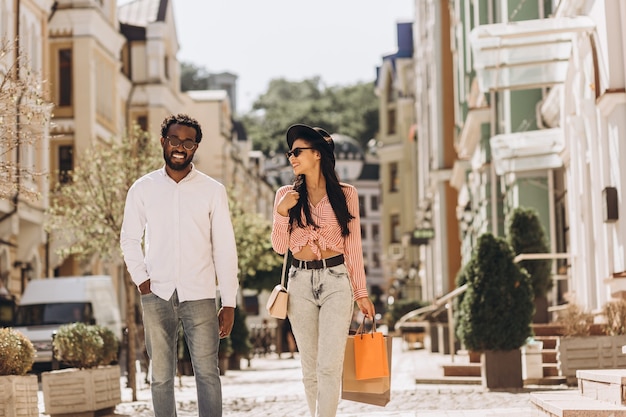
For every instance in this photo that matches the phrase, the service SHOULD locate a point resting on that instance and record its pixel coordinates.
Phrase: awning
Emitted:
(527, 151)
(525, 54)
(470, 134)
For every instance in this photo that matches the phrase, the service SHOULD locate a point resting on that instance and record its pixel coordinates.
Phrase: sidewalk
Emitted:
(272, 387)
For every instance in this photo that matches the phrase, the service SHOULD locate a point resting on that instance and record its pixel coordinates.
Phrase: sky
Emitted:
(341, 41)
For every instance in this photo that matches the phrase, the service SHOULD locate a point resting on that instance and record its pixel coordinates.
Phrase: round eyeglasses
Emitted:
(175, 141)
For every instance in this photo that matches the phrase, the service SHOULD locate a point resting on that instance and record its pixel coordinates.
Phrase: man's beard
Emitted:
(176, 166)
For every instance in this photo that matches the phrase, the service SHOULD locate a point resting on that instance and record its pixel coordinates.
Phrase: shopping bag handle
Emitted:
(361, 328)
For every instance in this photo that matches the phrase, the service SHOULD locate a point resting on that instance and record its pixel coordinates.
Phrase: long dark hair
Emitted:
(334, 190)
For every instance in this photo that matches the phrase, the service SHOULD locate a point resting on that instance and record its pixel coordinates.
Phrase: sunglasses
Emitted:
(295, 152)
(187, 143)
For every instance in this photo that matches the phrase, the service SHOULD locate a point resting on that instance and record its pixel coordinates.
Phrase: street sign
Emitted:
(422, 236)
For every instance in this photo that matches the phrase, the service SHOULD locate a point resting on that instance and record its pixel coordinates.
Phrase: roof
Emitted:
(347, 148)
(370, 171)
(142, 12)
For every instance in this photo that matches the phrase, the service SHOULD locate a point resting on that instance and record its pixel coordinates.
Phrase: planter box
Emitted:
(501, 369)
(71, 391)
(18, 396)
(589, 352)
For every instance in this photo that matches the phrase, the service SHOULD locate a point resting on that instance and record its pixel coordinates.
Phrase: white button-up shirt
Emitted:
(188, 239)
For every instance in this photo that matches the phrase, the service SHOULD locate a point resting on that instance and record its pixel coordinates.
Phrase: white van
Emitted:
(50, 302)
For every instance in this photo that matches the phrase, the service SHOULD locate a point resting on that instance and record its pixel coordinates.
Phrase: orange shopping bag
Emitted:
(370, 354)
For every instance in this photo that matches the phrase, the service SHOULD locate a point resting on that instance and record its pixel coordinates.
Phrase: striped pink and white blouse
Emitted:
(327, 236)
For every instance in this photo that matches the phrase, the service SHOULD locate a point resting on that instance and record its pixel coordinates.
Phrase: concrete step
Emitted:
(549, 342)
(571, 403)
(548, 355)
(606, 385)
(550, 369)
(452, 380)
(461, 369)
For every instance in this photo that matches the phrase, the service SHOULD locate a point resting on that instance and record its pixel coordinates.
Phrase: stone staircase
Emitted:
(601, 393)
(467, 368)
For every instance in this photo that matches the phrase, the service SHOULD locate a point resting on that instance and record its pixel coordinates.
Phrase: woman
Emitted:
(318, 219)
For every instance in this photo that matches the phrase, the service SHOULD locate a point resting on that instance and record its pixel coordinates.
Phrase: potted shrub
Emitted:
(526, 235)
(18, 391)
(91, 383)
(240, 340)
(223, 354)
(496, 311)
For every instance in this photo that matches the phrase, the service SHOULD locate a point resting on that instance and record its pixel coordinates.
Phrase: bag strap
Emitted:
(361, 328)
(282, 277)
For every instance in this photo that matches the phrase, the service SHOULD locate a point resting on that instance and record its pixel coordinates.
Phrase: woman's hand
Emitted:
(287, 202)
(366, 306)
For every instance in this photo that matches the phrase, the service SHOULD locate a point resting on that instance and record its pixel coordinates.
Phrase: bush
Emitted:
(400, 308)
(17, 353)
(85, 346)
(240, 335)
(615, 314)
(526, 235)
(575, 321)
(497, 308)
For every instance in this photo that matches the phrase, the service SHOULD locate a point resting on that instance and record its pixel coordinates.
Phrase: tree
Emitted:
(24, 117)
(86, 214)
(349, 110)
(259, 265)
(193, 77)
(526, 235)
(497, 308)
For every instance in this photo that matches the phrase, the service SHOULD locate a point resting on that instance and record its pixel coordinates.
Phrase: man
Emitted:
(181, 215)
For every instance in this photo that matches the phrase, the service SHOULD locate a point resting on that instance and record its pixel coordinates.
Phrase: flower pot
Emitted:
(501, 369)
(589, 352)
(71, 391)
(18, 395)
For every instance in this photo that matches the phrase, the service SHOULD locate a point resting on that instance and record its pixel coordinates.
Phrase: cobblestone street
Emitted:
(273, 387)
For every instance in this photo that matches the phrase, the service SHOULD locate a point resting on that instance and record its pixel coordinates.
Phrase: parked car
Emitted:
(50, 302)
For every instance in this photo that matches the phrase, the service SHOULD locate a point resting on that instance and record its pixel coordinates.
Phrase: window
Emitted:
(375, 232)
(142, 122)
(66, 163)
(391, 121)
(395, 228)
(362, 210)
(375, 260)
(363, 232)
(374, 203)
(394, 178)
(65, 77)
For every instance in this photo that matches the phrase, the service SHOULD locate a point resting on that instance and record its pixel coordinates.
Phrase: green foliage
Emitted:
(17, 353)
(400, 308)
(85, 346)
(259, 265)
(349, 110)
(497, 309)
(193, 77)
(460, 280)
(526, 235)
(240, 335)
(86, 214)
(225, 348)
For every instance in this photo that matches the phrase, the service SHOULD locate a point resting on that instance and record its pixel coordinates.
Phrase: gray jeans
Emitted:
(320, 312)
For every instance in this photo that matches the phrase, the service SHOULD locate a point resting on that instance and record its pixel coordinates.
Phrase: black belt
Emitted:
(318, 264)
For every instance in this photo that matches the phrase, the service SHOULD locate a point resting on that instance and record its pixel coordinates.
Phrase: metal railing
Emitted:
(446, 301)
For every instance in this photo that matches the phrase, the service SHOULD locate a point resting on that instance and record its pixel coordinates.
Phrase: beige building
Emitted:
(396, 149)
(108, 68)
(25, 144)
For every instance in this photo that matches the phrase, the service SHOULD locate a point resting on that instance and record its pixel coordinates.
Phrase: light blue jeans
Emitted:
(199, 320)
(320, 311)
